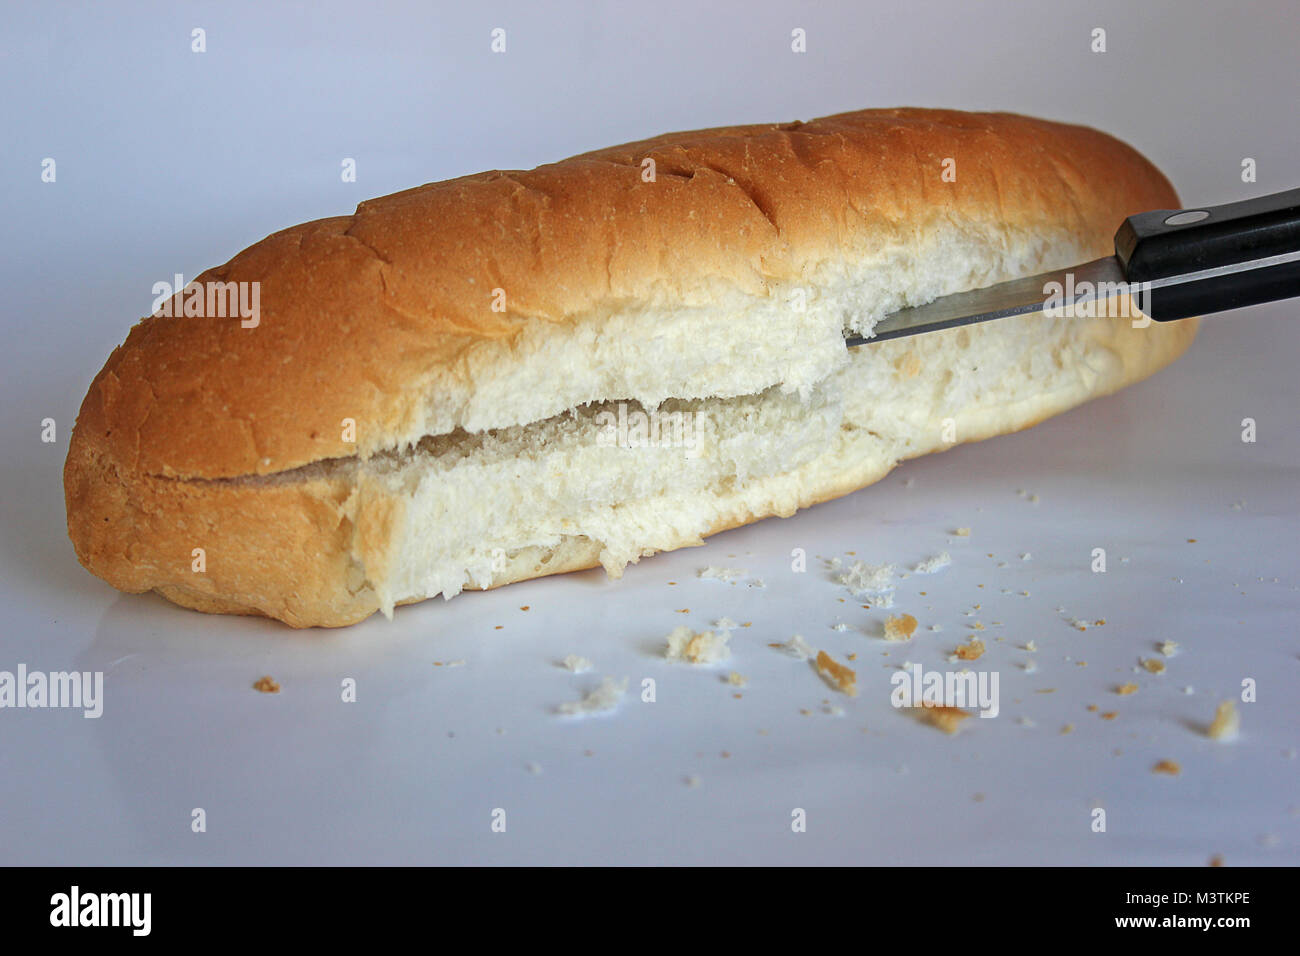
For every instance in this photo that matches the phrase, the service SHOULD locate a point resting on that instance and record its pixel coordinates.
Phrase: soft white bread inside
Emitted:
(481, 456)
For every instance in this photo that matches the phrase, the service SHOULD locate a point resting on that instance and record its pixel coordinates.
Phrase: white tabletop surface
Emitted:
(414, 770)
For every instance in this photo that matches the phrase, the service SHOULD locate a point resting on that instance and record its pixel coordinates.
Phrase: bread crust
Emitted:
(383, 318)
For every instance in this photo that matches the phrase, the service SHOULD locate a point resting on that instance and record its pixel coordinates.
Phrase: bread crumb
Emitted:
(1170, 767)
(962, 532)
(267, 685)
(1125, 689)
(1168, 648)
(970, 651)
(852, 657)
(704, 647)
(579, 665)
(863, 578)
(797, 647)
(725, 624)
(1026, 557)
(603, 698)
(936, 627)
(692, 781)
(837, 675)
(1068, 729)
(947, 719)
(1109, 715)
(1216, 860)
(1226, 723)
(728, 575)
(936, 563)
(900, 628)
(1152, 665)
(737, 680)
(1030, 646)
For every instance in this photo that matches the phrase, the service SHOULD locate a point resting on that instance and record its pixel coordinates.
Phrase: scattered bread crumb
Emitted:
(962, 532)
(1109, 715)
(704, 647)
(1030, 646)
(1153, 665)
(267, 685)
(603, 698)
(972, 650)
(900, 628)
(947, 719)
(1168, 648)
(936, 563)
(692, 781)
(837, 675)
(725, 624)
(579, 665)
(797, 647)
(1216, 860)
(863, 578)
(1068, 729)
(737, 680)
(729, 575)
(1170, 767)
(1125, 689)
(1226, 723)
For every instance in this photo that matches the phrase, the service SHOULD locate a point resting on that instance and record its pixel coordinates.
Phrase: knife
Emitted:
(1175, 263)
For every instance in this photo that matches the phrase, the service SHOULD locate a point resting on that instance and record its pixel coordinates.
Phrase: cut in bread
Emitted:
(490, 338)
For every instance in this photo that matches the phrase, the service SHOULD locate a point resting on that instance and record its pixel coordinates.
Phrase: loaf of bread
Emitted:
(450, 388)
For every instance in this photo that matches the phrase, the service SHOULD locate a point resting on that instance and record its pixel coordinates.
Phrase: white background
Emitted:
(170, 161)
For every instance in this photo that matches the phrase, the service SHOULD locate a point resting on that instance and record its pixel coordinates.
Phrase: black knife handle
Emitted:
(1172, 242)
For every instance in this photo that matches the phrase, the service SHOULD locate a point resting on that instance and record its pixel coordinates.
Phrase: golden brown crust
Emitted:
(356, 311)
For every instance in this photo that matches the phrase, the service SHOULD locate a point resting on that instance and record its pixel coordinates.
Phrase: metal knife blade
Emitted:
(1024, 296)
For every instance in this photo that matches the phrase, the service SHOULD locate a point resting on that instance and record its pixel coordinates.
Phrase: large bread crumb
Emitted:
(936, 563)
(797, 647)
(947, 719)
(603, 698)
(704, 647)
(863, 578)
(1226, 723)
(900, 628)
(837, 675)
(576, 664)
(267, 685)
(972, 650)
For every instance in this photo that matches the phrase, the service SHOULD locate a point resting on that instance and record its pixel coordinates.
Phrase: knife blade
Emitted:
(1173, 264)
